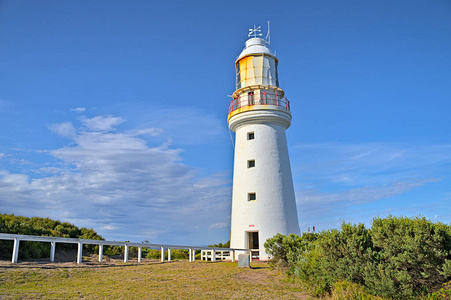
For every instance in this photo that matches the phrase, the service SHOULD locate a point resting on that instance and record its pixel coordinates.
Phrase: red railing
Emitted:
(258, 99)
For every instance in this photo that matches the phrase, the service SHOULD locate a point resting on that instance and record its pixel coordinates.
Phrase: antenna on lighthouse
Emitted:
(255, 31)
(268, 36)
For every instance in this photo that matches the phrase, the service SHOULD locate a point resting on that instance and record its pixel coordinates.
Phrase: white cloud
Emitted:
(350, 181)
(101, 123)
(219, 225)
(149, 131)
(186, 126)
(360, 195)
(111, 179)
(368, 163)
(78, 109)
(65, 129)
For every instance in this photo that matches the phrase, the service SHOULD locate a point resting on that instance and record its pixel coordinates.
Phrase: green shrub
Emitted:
(221, 245)
(175, 254)
(43, 227)
(412, 257)
(443, 294)
(398, 257)
(345, 290)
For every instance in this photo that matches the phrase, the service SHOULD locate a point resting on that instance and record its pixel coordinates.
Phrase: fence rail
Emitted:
(17, 238)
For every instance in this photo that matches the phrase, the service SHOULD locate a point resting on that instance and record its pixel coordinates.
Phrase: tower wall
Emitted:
(274, 210)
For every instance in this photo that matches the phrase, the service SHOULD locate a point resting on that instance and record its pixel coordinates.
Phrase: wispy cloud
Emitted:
(102, 123)
(368, 163)
(78, 109)
(65, 129)
(359, 195)
(334, 179)
(186, 126)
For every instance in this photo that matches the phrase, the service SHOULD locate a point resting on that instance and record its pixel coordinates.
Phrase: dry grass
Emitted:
(151, 279)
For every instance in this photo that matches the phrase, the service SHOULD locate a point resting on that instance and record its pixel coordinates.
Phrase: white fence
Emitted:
(17, 238)
(227, 254)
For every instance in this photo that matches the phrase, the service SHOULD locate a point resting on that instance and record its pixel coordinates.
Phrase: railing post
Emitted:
(100, 253)
(79, 253)
(52, 251)
(233, 255)
(277, 98)
(264, 93)
(140, 253)
(162, 254)
(15, 251)
(169, 254)
(126, 253)
(213, 255)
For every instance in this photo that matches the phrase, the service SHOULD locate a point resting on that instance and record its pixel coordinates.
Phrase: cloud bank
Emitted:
(111, 180)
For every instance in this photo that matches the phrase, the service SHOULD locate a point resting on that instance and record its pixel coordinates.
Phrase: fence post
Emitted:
(169, 254)
(250, 256)
(190, 252)
(162, 254)
(100, 252)
(193, 255)
(15, 251)
(233, 255)
(79, 252)
(140, 253)
(213, 255)
(126, 253)
(52, 251)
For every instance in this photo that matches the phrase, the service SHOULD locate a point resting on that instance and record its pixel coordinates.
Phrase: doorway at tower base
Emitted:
(252, 237)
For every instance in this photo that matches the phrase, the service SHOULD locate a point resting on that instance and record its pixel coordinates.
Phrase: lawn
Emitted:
(150, 279)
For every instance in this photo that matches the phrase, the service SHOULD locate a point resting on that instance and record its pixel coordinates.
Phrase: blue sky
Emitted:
(113, 113)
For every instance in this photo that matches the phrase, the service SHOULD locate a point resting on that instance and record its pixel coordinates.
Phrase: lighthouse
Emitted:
(263, 200)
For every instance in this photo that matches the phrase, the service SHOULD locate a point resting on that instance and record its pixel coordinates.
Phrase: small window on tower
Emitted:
(250, 136)
(251, 197)
(251, 163)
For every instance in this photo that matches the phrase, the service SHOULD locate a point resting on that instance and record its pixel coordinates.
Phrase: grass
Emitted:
(151, 279)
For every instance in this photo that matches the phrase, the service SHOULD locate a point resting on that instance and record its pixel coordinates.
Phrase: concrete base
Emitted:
(243, 261)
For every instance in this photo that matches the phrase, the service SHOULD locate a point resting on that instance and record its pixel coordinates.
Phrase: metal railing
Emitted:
(258, 99)
(17, 238)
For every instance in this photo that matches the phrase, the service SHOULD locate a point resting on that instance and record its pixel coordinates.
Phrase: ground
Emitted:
(149, 279)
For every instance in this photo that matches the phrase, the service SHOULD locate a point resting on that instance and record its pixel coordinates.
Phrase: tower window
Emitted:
(251, 197)
(251, 163)
(250, 136)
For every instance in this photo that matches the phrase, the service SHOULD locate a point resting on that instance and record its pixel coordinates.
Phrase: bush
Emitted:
(398, 257)
(412, 257)
(443, 294)
(345, 290)
(43, 227)
(175, 254)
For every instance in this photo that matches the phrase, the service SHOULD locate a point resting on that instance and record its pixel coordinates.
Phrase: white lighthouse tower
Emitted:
(263, 201)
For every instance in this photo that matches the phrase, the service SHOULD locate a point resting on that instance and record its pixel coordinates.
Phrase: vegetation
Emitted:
(398, 257)
(221, 245)
(150, 280)
(175, 254)
(43, 227)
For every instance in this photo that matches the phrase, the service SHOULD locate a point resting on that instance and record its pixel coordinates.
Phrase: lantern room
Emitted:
(256, 65)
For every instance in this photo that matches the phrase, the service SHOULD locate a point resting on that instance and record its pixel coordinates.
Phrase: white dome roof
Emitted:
(255, 46)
